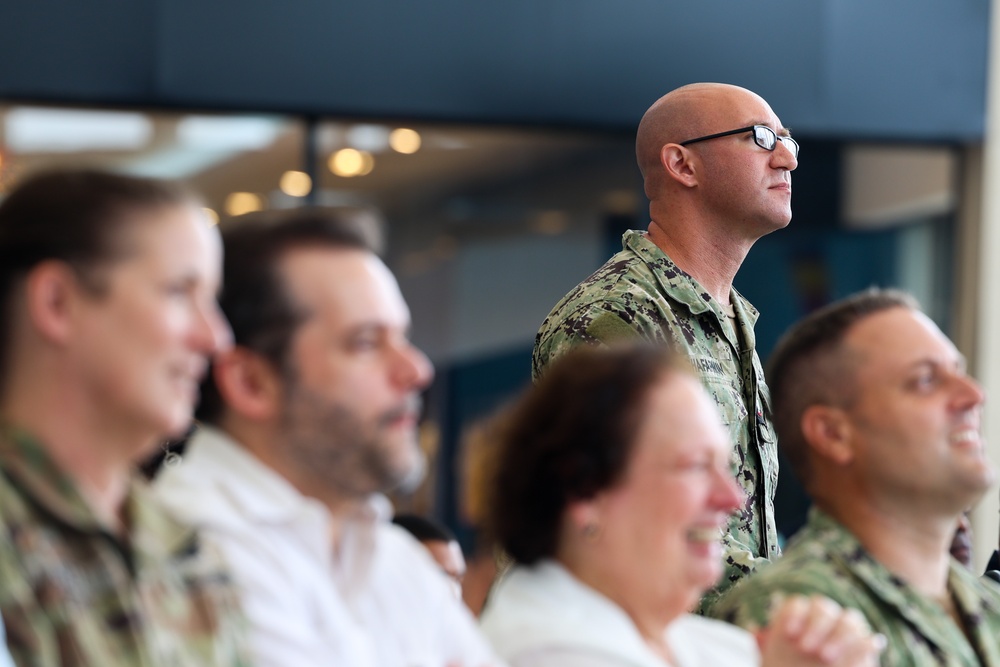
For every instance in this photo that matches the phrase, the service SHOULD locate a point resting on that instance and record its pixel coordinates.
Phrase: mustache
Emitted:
(412, 405)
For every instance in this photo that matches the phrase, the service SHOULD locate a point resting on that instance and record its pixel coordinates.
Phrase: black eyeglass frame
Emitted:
(785, 139)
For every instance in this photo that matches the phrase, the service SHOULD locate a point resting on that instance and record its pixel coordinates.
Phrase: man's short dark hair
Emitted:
(254, 298)
(74, 216)
(568, 438)
(809, 366)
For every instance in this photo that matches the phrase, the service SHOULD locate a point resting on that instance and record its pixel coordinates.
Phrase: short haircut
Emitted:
(74, 216)
(424, 529)
(568, 438)
(254, 298)
(809, 366)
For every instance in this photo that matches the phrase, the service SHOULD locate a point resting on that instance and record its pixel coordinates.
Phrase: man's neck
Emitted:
(712, 260)
(264, 441)
(912, 546)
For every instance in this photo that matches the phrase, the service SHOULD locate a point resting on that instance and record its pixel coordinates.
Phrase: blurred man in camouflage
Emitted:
(717, 166)
(881, 424)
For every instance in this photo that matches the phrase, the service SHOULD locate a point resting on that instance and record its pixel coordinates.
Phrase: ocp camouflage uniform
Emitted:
(640, 291)
(73, 594)
(824, 558)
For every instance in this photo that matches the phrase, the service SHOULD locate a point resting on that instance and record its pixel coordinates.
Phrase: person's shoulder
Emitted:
(982, 588)
(620, 300)
(623, 276)
(804, 569)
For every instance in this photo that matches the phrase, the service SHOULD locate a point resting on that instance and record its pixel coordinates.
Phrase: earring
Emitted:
(591, 531)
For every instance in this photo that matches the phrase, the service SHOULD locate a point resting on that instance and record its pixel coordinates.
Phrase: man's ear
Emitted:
(679, 164)
(50, 290)
(827, 430)
(248, 383)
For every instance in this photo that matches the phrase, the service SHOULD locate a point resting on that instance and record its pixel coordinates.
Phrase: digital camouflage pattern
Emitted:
(641, 292)
(72, 594)
(825, 559)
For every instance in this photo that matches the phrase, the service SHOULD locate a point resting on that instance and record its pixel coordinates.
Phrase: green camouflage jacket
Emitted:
(825, 559)
(72, 594)
(640, 291)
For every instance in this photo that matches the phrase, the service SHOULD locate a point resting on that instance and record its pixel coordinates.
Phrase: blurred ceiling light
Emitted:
(371, 138)
(239, 203)
(213, 217)
(175, 162)
(405, 140)
(350, 162)
(621, 202)
(367, 163)
(245, 133)
(42, 130)
(551, 223)
(295, 183)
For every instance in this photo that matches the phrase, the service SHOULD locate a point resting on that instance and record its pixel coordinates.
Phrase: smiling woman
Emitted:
(107, 285)
(612, 490)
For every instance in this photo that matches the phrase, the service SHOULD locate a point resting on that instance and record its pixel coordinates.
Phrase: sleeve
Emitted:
(746, 606)
(597, 323)
(749, 604)
(738, 563)
(30, 635)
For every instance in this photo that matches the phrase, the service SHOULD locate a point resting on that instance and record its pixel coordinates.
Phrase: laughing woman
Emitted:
(612, 489)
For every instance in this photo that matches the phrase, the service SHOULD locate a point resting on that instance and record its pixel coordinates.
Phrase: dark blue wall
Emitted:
(906, 69)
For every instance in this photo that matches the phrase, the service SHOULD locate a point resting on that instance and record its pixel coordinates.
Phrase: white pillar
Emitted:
(986, 518)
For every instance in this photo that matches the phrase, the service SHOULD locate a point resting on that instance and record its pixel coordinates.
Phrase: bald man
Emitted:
(716, 164)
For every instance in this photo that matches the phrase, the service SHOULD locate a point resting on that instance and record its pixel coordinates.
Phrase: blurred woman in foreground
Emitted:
(107, 287)
(612, 488)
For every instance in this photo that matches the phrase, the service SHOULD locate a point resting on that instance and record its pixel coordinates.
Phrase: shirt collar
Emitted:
(260, 492)
(921, 613)
(681, 285)
(30, 468)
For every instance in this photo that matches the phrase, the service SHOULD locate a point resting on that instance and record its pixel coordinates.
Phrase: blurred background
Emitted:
(496, 138)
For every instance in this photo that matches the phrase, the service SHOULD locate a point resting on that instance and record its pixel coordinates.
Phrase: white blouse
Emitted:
(542, 616)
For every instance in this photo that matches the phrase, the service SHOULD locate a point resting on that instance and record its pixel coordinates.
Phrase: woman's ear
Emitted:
(50, 289)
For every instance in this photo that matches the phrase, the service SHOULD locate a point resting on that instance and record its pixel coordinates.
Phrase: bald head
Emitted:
(687, 112)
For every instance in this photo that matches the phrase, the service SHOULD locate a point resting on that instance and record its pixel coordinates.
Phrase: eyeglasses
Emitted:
(763, 136)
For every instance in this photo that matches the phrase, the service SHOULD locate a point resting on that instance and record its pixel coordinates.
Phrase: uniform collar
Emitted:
(922, 614)
(151, 533)
(681, 285)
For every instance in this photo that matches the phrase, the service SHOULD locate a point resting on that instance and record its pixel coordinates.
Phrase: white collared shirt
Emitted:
(379, 602)
(543, 616)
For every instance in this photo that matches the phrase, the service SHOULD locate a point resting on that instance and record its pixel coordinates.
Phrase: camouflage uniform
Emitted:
(73, 594)
(640, 291)
(824, 558)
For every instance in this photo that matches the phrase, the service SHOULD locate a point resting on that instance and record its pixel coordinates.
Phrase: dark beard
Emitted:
(329, 444)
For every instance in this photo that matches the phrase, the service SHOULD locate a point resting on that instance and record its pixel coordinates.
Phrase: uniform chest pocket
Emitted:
(722, 384)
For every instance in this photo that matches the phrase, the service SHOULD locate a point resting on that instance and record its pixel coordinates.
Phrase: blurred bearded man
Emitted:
(311, 417)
